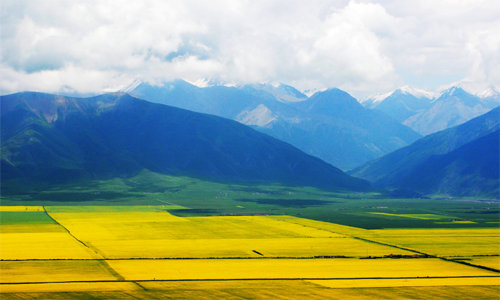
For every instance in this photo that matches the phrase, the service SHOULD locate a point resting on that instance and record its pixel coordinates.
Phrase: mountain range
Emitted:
(428, 113)
(330, 124)
(56, 139)
(460, 161)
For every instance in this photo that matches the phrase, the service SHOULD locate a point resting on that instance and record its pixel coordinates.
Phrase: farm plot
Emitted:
(253, 289)
(162, 235)
(134, 241)
(290, 268)
(381, 283)
(28, 234)
(486, 261)
(21, 208)
(210, 248)
(443, 242)
(55, 270)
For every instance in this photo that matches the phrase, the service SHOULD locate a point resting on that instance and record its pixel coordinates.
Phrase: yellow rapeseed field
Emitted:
(55, 270)
(486, 261)
(257, 289)
(161, 235)
(43, 245)
(21, 208)
(337, 228)
(290, 268)
(358, 283)
(68, 287)
(83, 236)
(278, 247)
(443, 242)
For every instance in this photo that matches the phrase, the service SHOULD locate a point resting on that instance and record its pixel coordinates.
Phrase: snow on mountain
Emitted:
(419, 93)
(481, 90)
(260, 116)
(131, 86)
(374, 100)
(489, 92)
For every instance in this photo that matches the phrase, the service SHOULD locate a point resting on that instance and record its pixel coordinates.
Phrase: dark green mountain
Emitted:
(330, 125)
(61, 139)
(399, 168)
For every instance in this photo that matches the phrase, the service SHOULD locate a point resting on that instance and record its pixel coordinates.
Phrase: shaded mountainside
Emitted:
(402, 167)
(472, 169)
(330, 125)
(57, 139)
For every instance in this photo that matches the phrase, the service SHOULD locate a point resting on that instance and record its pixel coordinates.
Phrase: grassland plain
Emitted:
(212, 198)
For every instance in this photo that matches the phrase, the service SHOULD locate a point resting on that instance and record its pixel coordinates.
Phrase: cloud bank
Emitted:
(359, 46)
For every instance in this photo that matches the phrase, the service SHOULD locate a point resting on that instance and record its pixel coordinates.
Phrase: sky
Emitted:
(362, 47)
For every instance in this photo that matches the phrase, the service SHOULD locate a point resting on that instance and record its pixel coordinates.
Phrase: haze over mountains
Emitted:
(330, 124)
(459, 161)
(59, 139)
(427, 112)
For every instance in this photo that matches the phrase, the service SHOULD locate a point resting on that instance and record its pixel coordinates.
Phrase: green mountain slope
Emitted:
(54, 138)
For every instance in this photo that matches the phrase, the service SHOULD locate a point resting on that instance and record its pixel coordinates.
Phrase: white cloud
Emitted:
(359, 46)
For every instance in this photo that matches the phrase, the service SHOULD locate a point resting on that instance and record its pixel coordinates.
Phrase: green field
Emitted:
(202, 198)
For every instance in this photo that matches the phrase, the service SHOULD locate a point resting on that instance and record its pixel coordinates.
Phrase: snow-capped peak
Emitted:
(481, 90)
(376, 98)
(489, 92)
(419, 93)
(131, 86)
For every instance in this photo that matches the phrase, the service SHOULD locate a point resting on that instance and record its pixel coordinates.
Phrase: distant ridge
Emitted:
(427, 112)
(61, 139)
(330, 125)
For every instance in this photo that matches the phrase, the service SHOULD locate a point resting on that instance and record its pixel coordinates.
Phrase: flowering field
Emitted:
(146, 251)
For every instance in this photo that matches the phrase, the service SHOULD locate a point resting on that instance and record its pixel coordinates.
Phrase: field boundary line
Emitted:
(102, 262)
(406, 249)
(69, 232)
(249, 279)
